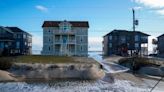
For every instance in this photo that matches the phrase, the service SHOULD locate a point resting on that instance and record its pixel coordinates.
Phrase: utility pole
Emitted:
(133, 33)
(134, 21)
(133, 61)
(135, 53)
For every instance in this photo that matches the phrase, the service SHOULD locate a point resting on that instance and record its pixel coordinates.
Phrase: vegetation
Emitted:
(43, 59)
(6, 63)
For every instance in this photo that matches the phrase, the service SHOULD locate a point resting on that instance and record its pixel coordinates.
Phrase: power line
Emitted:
(100, 31)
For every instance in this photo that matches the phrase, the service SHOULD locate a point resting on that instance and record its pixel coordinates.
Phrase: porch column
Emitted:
(60, 40)
(68, 52)
(75, 46)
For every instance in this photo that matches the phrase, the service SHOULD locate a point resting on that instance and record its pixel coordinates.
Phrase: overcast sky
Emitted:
(103, 16)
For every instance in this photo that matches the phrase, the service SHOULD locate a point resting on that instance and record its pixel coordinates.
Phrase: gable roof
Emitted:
(126, 31)
(16, 29)
(6, 29)
(73, 23)
(6, 37)
(160, 36)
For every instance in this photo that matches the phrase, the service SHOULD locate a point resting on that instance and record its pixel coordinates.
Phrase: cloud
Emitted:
(137, 8)
(151, 3)
(161, 11)
(37, 42)
(155, 5)
(41, 8)
(95, 43)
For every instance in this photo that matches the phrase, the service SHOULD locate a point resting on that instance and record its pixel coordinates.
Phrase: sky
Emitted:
(103, 16)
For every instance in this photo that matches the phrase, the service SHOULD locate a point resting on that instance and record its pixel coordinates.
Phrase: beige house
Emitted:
(65, 38)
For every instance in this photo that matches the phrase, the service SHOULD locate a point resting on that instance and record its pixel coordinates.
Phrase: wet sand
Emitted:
(6, 76)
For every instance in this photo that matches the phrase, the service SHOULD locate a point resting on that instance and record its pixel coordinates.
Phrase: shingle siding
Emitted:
(19, 36)
(71, 42)
(117, 41)
(161, 44)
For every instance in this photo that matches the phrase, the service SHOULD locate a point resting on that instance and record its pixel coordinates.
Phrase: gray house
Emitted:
(6, 40)
(161, 45)
(15, 41)
(65, 38)
(123, 42)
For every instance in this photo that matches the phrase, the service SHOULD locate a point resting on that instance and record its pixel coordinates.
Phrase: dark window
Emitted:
(81, 48)
(18, 36)
(81, 39)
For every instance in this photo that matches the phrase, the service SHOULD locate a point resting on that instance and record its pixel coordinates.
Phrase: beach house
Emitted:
(123, 42)
(64, 38)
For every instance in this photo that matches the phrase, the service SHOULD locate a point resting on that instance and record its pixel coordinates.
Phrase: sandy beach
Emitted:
(6, 76)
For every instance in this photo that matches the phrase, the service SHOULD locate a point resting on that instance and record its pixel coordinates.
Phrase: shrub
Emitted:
(6, 63)
(52, 67)
(72, 67)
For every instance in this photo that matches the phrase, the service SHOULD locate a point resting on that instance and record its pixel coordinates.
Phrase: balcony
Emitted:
(64, 50)
(6, 37)
(59, 41)
(144, 40)
(64, 32)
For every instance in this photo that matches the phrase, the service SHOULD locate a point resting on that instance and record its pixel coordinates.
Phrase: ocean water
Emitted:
(72, 86)
(110, 67)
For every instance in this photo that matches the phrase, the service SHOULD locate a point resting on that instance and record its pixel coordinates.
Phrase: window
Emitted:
(123, 39)
(110, 37)
(24, 36)
(114, 37)
(17, 45)
(49, 48)
(6, 45)
(25, 43)
(65, 26)
(128, 45)
(81, 48)
(136, 45)
(29, 44)
(15, 36)
(110, 45)
(1, 45)
(81, 39)
(18, 36)
(136, 38)
(144, 38)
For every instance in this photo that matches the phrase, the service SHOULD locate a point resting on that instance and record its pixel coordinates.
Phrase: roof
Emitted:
(6, 29)
(160, 35)
(126, 31)
(16, 29)
(73, 23)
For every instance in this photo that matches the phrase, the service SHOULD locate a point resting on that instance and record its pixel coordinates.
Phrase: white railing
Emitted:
(64, 32)
(67, 42)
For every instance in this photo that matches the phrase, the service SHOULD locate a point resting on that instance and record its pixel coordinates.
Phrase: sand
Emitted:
(5, 76)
